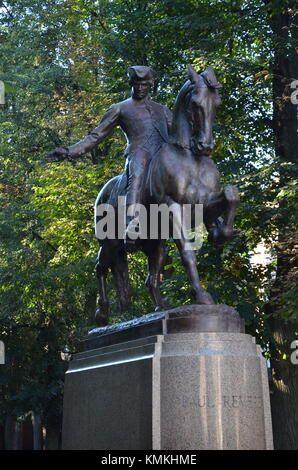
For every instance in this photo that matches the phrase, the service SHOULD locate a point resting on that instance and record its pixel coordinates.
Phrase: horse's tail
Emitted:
(109, 194)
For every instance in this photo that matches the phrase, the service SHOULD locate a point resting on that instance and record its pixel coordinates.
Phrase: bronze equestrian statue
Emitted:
(178, 171)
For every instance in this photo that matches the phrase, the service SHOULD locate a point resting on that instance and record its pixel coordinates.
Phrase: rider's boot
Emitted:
(132, 229)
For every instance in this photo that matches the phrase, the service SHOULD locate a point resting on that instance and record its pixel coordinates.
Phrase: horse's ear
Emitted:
(210, 78)
(192, 74)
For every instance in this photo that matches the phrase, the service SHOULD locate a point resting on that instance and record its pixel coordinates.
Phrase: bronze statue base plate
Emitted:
(185, 319)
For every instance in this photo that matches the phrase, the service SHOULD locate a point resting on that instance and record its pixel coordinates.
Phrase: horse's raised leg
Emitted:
(223, 203)
(232, 202)
(156, 254)
(188, 256)
(102, 265)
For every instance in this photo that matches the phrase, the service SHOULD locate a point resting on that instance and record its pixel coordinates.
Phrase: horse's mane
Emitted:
(181, 95)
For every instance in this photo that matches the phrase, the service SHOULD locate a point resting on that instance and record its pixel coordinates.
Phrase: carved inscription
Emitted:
(231, 401)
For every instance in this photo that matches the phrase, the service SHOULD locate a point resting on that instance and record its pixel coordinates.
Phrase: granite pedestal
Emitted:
(184, 379)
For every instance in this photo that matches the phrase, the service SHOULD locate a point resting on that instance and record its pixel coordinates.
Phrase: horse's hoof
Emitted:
(218, 236)
(101, 317)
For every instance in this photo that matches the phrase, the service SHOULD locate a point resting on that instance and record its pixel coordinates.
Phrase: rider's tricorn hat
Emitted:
(140, 72)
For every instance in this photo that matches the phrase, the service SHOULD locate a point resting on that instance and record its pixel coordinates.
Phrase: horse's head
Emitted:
(202, 100)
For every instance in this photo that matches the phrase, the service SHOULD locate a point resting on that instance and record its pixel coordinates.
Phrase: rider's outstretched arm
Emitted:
(109, 120)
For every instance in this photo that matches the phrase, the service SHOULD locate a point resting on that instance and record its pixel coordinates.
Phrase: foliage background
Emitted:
(63, 63)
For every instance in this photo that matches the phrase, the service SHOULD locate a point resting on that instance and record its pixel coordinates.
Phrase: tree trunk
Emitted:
(12, 434)
(27, 434)
(37, 432)
(284, 403)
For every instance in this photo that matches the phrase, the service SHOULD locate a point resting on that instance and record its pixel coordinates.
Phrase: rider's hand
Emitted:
(57, 155)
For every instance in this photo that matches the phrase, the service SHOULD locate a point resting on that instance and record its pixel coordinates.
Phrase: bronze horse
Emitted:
(180, 173)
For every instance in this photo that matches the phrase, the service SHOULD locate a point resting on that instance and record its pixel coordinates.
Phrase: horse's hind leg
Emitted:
(102, 266)
(121, 280)
(156, 254)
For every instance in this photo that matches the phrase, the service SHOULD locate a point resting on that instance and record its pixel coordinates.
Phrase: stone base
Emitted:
(167, 391)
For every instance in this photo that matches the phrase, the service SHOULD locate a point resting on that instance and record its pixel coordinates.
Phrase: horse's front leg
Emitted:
(189, 260)
(188, 256)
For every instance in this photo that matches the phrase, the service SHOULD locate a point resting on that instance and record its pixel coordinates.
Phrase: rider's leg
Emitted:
(137, 167)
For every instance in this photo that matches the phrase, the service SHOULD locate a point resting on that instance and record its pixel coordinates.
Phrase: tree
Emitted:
(282, 305)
